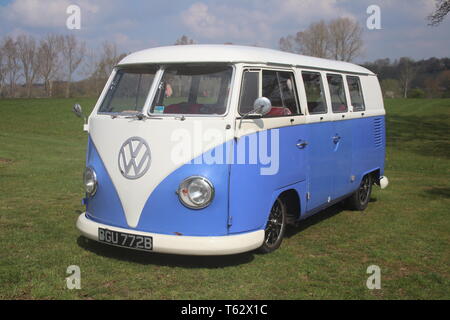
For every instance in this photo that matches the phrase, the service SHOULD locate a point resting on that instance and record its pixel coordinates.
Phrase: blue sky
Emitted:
(139, 24)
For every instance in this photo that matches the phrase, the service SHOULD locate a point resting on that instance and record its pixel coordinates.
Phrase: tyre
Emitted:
(360, 199)
(275, 228)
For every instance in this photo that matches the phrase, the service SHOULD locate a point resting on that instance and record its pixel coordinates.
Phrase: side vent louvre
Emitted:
(378, 132)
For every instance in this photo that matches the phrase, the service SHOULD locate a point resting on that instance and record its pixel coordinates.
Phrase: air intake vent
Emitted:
(378, 132)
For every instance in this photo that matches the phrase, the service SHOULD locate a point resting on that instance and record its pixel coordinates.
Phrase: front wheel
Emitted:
(275, 227)
(360, 199)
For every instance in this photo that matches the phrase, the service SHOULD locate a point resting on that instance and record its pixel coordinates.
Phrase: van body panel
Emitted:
(163, 137)
(343, 149)
(321, 163)
(164, 213)
(104, 206)
(250, 202)
(369, 145)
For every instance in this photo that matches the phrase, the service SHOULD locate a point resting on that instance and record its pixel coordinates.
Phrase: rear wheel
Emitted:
(275, 227)
(360, 199)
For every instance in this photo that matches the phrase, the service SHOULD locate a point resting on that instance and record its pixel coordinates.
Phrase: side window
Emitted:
(337, 93)
(249, 91)
(314, 92)
(279, 87)
(356, 96)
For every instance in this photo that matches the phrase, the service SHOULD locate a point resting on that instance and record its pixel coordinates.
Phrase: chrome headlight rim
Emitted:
(94, 179)
(192, 205)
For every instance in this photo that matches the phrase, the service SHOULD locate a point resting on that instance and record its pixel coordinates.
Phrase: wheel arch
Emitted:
(291, 199)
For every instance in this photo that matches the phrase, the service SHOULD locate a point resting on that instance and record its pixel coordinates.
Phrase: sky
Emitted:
(138, 24)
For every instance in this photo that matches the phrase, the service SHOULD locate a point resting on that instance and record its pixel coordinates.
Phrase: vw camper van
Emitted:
(214, 149)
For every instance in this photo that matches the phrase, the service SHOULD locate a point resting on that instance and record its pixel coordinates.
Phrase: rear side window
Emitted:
(314, 92)
(337, 93)
(356, 96)
(279, 87)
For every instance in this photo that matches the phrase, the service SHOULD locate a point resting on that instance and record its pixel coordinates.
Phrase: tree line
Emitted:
(341, 39)
(406, 78)
(63, 66)
(52, 65)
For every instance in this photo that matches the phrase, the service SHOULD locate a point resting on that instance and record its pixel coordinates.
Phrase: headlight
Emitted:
(196, 192)
(90, 181)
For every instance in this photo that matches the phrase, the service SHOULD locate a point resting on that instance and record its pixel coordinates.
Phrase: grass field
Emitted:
(405, 230)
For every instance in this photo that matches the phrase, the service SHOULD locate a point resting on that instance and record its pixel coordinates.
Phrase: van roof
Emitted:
(236, 54)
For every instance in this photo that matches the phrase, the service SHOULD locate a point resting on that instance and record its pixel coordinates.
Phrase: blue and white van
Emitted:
(214, 149)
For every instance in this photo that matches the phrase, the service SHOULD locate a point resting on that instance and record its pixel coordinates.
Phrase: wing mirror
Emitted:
(79, 112)
(261, 107)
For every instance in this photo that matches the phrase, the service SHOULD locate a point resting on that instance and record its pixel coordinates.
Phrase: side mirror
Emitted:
(79, 111)
(262, 106)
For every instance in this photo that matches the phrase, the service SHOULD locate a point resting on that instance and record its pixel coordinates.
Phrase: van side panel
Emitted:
(368, 145)
(369, 131)
(252, 193)
(321, 163)
(343, 150)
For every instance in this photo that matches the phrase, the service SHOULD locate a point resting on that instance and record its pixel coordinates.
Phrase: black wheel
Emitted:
(360, 199)
(276, 225)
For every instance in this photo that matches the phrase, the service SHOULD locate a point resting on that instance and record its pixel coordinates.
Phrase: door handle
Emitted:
(336, 138)
(302, 144)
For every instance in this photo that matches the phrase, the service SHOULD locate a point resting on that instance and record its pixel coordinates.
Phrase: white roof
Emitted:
(235, 54)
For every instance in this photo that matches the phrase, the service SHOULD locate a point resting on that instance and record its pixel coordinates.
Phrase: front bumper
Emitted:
(187, 245)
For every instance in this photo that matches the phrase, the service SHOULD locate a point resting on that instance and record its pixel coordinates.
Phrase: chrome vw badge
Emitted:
(134, 158)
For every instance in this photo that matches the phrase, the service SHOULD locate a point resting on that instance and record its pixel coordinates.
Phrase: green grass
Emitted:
(405, 230)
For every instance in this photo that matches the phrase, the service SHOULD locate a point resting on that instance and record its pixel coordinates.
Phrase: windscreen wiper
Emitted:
(138, 116)
(141, 116)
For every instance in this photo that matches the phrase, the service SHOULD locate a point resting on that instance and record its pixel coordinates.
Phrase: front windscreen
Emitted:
(193, 90)
(128, 90)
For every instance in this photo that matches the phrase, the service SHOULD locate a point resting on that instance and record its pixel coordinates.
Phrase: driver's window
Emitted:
(279, 88)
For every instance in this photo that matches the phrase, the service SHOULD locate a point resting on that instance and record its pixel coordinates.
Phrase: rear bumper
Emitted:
(188, 245)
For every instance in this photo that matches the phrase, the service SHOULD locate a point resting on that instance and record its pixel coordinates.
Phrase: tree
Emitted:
(108, 59)
(442, 9)
(407, 74)
(184, 40)
(73, 52)
(432, 88)
(287, 44)
(91, 71)
(341, 39)
(28, 56)
(390, 88)
(416, 93)
(49, 60)
(444, 83)
(315, 41)
(345, 39)
(2, 70)
(11, 66)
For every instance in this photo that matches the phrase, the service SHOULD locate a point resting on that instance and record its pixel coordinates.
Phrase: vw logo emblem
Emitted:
(134, 158)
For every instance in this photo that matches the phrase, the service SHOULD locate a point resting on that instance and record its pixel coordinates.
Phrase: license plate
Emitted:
(126, 240)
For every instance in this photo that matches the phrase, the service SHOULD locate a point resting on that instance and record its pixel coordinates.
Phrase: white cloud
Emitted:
(43, 13)
(202, 21)
(257, 23)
